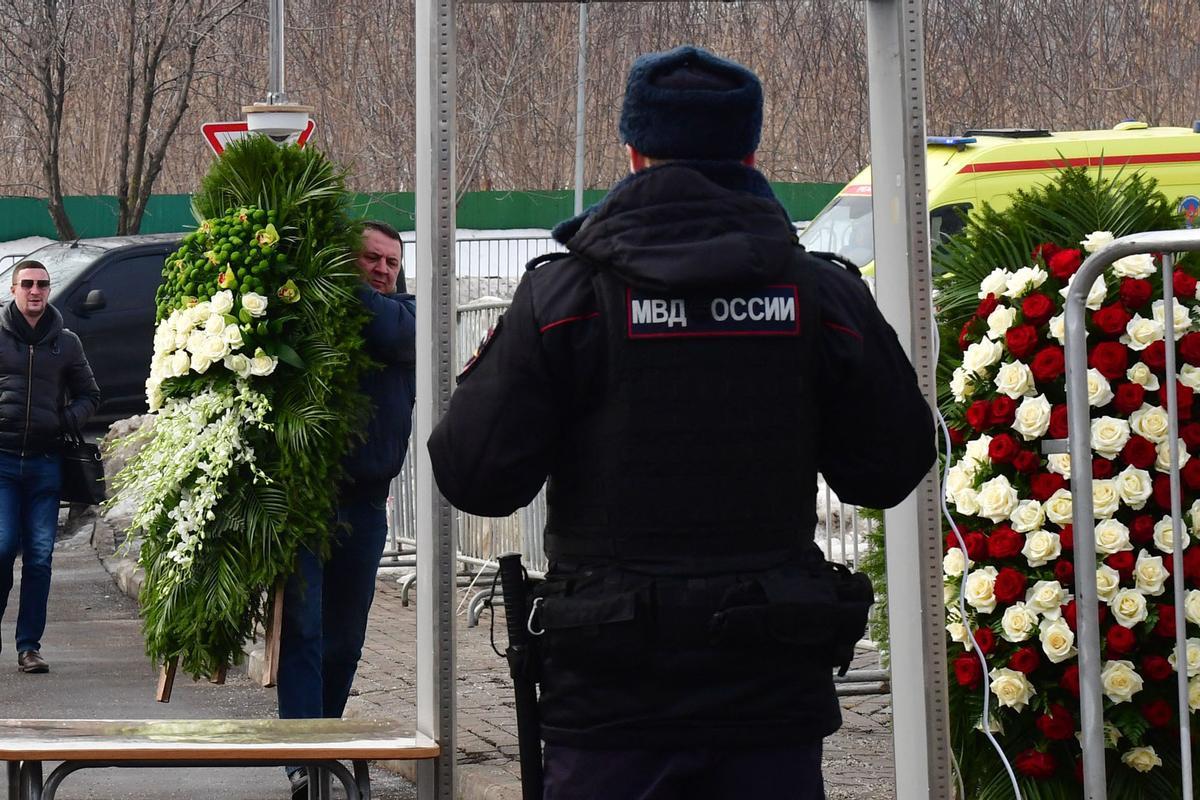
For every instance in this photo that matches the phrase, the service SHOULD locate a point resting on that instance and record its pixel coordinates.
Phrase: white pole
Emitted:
(580, 104)
(275, 91)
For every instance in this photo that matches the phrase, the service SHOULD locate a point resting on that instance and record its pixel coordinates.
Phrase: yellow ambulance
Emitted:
(986, 166)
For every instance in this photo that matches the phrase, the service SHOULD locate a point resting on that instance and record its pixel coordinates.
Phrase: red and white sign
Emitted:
(220, 134)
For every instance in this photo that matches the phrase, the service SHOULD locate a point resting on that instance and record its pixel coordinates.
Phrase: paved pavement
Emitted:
(857, 764)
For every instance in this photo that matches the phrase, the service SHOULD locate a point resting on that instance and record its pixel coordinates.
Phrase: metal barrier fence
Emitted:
(490, 266)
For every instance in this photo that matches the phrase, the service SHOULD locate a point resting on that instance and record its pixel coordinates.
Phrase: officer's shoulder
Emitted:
(834, 274)
(560, 286)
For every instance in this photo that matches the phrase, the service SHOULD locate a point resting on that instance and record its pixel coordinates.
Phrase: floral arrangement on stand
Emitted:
(1002, 288)
(257, 356)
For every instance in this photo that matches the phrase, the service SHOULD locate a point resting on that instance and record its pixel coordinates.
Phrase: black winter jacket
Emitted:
(46, 384)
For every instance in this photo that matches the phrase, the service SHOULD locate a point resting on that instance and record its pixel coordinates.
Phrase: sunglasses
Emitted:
(29, 283)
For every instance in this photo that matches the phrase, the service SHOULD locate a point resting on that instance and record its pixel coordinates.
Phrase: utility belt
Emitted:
(607, 616)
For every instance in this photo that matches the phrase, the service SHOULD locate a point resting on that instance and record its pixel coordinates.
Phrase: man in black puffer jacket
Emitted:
(682, 375)
(46, 389)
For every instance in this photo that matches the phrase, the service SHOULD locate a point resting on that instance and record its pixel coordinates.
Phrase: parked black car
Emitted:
(104, 288)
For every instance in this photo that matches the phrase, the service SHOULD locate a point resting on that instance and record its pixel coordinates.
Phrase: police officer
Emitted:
(681, 375)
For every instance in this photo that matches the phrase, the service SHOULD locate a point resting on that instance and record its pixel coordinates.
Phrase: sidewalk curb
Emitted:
(475, 781)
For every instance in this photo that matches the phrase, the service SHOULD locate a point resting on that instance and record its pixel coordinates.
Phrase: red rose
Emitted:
(1191, 565)
(1058, 422)
(1066, 537)
(1183, 396)
(976, 545)
(1068, 612)
(1002, 448)
(1057, 723)
(1010, 585)
(1004, 410)
(967, 671)
(1189, 348)
(1139, 452)
(1191, 474)
(1070, 679)
(1048, 364)
(1128, 397)
(1122, 562)
(1045, 251)
(1135, 292)
(1191, 435)
(1111, 359)
(1185, 285)
(1155, 356)
(1158, 712)
(1101, 468)
(977, 414)
(1157, 668)
(1120, 640)
(964, 335)
(1035, 764)
(1064, 263)
(1044, 484)
(1026, 462)
(985, 640)
(1064, 572)
(1111, 319)
(986, 306)
(1037, 308)
(1141, 528)
(1004, 543)
(1025, 660)
(1021, 340)
(957, 437)
(1165, 627)
(1162, 492)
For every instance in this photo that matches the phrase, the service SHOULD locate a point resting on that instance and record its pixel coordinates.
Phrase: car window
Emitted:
(129, 283)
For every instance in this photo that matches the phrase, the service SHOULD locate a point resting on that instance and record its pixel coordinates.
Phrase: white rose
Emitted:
(238, 363)
(222, 302)
(1163, 462)
(232, 336)
(979, 589)
(1041, 547)
(1027, 516)
(953, 564)
(214, 348)
(1058, 507)
(1194, 513)
(1058, 328)
(201, 312)
(958, 633)
(183, 321)
(1112, 537)
(1189, 376)
(1191, 606)
(1033, 417)
(1059, 463)
(997, 499)
(1011, 688)
(1140, 333)
(1194, 694)
(1099, 390)
(1105, 499)
(1095, 295)
(1182, 317)
(1138, 265)
(181, 340)
(982, 355)
(1108, 580)
(164, 339)
(1142, 759)
(1134, 486)
(1015, 379)
(977, 451)
(1142, 375)
(1047, 598)
(966, 502)
(957, 479)
(1120, 681)
(1024, 280)
(214, 325)
(1058, 641)
(200, 363)
(1128, 607)
(254, 303)
(1149, 573)
(179, 364)
(1164, 536)
(1193, 657)
(1149, 422)
(1109, 435)
(1000, 320)
(1095, 240)
(154, 396)
(1018, 622)
(262, 364)
(994, 283)
(959, 385)
(195, 341)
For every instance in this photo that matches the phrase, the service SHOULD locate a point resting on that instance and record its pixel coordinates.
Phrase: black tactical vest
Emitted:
(701, 452)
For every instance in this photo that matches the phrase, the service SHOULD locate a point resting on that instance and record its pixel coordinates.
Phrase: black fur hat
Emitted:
(689, 103)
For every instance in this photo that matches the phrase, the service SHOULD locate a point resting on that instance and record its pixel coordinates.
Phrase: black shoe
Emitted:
(299, 781)
(31, 661)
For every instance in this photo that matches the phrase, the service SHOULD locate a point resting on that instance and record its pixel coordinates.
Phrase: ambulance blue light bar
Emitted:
(951, 141)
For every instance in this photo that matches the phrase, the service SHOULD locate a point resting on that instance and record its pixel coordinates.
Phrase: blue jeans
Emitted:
(28, 521)
(325, 611)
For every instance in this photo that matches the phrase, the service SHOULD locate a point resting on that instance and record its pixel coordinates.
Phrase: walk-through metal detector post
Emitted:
(920, 719)
(436, 534)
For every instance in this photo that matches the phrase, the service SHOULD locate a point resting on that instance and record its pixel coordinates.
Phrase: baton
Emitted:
(516, 614)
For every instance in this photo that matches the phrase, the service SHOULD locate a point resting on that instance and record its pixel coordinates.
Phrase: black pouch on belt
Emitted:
(602, 624)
